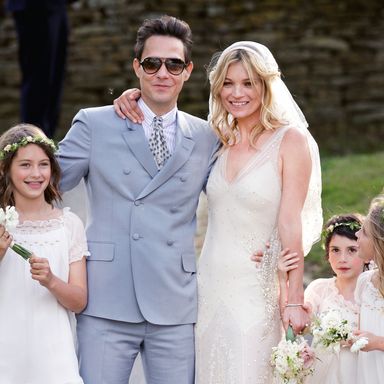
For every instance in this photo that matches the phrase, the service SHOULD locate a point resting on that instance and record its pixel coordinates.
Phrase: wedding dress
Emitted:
(238, 315)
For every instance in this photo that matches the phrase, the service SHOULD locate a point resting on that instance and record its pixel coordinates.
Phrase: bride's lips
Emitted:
(238, 103)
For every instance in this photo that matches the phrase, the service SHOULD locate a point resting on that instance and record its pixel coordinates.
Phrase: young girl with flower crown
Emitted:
(370, 295)
(333, 294)
(38, 297)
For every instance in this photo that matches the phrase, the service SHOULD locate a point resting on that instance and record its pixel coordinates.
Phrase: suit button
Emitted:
(183, 179)
(135, 236)
(137, 202)
(173, 209)
(126, 171)
(170, 242)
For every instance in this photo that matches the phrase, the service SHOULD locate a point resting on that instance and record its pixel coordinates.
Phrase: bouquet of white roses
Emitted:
(9, 219)
(329, 329)
(292, 359)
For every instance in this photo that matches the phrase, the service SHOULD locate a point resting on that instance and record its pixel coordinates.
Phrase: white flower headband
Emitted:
(10, 148)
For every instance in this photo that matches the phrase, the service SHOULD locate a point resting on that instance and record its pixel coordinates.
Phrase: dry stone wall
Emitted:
(331, 54)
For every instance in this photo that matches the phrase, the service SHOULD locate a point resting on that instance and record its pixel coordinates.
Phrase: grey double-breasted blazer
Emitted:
(141, 221)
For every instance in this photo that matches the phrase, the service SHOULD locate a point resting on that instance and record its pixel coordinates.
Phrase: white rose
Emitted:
(2, 216)
(359, 344)
(11, 218)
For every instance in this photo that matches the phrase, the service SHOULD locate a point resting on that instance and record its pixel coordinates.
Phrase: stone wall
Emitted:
(330, 52)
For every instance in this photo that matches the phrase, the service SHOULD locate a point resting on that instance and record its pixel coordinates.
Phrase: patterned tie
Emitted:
(157, 143)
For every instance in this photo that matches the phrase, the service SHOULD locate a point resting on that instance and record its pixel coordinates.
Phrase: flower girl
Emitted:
(337, 294)
(333, 294)
(39, 295)
(370, 295)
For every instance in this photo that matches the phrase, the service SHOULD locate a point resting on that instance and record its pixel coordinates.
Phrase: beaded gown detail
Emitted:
(238, 315)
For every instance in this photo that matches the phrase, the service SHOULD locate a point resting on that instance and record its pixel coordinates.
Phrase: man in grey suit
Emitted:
(143, 183)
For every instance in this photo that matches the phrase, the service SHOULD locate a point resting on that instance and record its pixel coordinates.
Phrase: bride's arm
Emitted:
(287, 262)
(295, 170)
(126, 105)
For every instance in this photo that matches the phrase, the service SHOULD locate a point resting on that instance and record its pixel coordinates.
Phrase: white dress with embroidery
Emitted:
(238, 315)
(370, 365)
(37, 343)
(331, 367)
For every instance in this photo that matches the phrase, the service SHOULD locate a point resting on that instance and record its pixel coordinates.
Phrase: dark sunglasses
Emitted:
(152, 65)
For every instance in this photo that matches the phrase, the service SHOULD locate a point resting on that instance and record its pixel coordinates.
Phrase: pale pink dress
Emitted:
(331, 367)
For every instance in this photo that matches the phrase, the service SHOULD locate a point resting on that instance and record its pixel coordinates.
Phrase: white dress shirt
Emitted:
(169, 124)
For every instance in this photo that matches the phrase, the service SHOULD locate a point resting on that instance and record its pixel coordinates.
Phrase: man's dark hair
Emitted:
(164, 26)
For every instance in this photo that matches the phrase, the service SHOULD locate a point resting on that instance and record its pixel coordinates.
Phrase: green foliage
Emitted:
(349, 184)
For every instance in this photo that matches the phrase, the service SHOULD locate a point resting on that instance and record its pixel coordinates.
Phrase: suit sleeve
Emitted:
(75, 151)
(215, 149)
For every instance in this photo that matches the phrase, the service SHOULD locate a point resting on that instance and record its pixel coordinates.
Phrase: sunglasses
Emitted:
(152, 65)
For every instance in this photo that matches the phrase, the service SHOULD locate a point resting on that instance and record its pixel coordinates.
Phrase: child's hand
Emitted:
(375, 342)
(257, 257)
(41, 271)
(287, 261)
(5, 241)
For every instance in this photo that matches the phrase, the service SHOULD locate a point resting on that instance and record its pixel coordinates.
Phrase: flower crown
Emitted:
(352, 225)
(10, 148)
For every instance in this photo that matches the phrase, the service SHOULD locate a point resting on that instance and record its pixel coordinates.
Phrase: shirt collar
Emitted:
(168, 119)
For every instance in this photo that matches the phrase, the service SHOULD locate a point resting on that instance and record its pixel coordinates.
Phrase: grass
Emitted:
(349, 184)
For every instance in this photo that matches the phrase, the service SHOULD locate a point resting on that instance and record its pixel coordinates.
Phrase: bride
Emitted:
(264, 187)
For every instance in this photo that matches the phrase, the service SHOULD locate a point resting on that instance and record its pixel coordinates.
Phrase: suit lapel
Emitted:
(137, 142)
(183, 149)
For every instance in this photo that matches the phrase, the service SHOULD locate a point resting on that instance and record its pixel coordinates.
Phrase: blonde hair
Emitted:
(375, 222)
(221, 121)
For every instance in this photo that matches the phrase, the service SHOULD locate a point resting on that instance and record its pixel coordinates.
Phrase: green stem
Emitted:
(290, 335)
(24, 253)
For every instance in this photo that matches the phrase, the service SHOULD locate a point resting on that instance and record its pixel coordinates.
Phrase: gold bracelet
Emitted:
(293, 305)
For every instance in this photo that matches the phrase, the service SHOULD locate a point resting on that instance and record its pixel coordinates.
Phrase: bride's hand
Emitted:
(126, 105)
(298, 317)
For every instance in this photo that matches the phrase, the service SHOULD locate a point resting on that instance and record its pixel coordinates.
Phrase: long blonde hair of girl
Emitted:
(375, 221)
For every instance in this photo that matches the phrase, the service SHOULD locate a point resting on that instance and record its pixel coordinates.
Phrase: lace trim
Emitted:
(377, 300)
(340, 298)
(41, 226)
